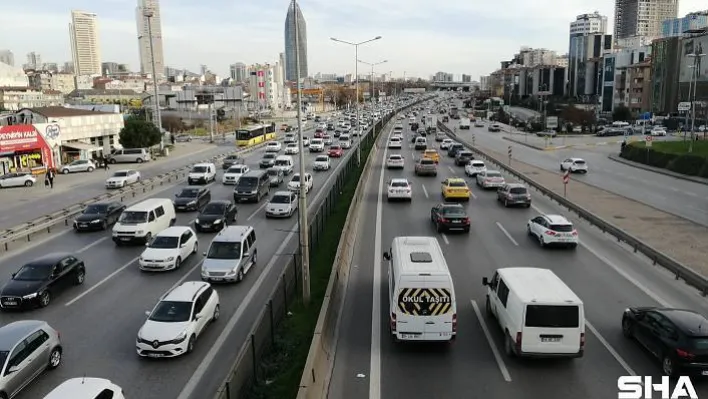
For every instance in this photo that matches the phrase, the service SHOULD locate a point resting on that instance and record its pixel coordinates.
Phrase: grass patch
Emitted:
(678, 147)
(284, 365)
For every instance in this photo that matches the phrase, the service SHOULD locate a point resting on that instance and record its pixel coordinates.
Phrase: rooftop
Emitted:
(62, 112)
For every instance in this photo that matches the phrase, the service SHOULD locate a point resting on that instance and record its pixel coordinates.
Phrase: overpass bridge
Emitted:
(466, 86)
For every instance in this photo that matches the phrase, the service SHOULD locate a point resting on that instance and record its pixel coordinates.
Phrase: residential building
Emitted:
(114, 68)
(15, 98)
(562, 61)
(620, 83)
(7, 57)
(237, 72)
(484, 83)
(11, 76)
(642, 17)
(531, 57)
(51, 67)
(68, 67)
(40, 80)
(440, 77)
(124, 97)
(632, 42)
(290, 56)
(639, 87)
(466, 78)
(34, 61)
(85, 43)
(62, 82)
(677, 26)
(84, 82)
(264, 88)
(148, 26)
(586, 24)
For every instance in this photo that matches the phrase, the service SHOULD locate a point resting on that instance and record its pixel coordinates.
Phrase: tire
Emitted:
(55, 358)
(573, 246)
(148, 237)
(45, 298)
(29, 183)
(239, 276)
(439, 228)
(488, 307)
(80, 277)
(216, 314)
(506, 203)
(255, 258)
(541, 243)
(627, 328)
(90, 169)
(195, 249)
(178, 263)
(104, 225)
(65, 171)
(509, 346)
(190, 344)
(561, 168)
(139, 160)
(668, 367)
(112, 160)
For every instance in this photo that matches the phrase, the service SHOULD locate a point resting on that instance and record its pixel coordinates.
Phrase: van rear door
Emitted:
(553, 329)
(426, 309)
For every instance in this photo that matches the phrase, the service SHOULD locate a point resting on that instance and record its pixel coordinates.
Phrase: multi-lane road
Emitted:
(605, 275)
(99, 320)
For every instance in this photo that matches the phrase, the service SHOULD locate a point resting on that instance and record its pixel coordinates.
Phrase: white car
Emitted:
(478, 123)
(273, 146)
(395, 142)
(658, 131)
(327, 139)
(234, 173)
(282, 204)
(446, 143)
(305, 141)
(474, 167)
(122, 178)
(490, 179)
(178, 319)
(321, 163)
(399, 189)
(289, 138)
(86, 388)
(574, 165)
(294, 184)
(202, 173)
(292, 149)
(17, 180)
(345, 143)
(553, 230)
(395, 161)
(168, 249)
(80, 165)
(317, 145)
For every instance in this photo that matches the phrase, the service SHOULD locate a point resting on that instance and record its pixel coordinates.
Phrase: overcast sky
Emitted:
(420, 37)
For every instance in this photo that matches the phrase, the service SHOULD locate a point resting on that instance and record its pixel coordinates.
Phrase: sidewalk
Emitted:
(540, 144)
(695, 179)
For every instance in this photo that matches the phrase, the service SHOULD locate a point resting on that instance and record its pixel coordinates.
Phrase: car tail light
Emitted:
(684, 354)
(393, 322)
(466, 220)
(443, 220)
(454, 322)
(550, 232)
(575, 232)
(528, 196)
(519, 337)
(510, 196)
(582, 341)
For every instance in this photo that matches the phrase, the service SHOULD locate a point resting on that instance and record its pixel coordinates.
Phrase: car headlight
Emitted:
(30, 296)
(96, 221)
(140, 232)
(170, 259)
(196, 221)
(181, 337)
(192, 203)
(217, 221)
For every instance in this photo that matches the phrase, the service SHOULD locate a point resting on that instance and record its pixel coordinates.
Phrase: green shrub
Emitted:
(668, 155)
(687, 164)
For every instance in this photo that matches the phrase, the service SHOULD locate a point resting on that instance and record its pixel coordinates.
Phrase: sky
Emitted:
(419, 37)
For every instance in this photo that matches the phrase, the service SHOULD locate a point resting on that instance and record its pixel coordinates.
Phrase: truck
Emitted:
(454, 113)
(464, 123)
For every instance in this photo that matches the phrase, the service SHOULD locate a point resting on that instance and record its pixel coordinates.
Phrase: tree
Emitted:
(138, 133)
(621, 113)
(172, 123)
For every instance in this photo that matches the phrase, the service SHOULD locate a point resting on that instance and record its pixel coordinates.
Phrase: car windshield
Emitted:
(224, 250)
(296, 178)
(96, 209)
(399, 184)
(292, 145)
(214, 209)
(272, 144)
(280, 199)
(165, 242)
(33, 272)
(236, 169)
(427, 162)
(247, 182)
(188, 193)
(395, 157)
(454, 211)
(172, 312)
(269, 156)
(493, 174)
(335, 147)
(133, 217)
(518, 190)
(282, 162)
(199, 169)
(231, 158)
(322, 159)
(463, 154)
(121, 173)
(395, 139)
(273, 172)
(457, 184)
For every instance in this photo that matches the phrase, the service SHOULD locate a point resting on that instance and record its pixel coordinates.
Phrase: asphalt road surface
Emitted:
(606, 276)
(99, 320)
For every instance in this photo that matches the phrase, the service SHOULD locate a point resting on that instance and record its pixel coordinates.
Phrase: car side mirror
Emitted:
(13, 275)
(485, 281)
(147, 244)
(183, 245)
(197, 317)
(147, 313)
(387, 256)
(176, 194)
(13, 369)
(203, 253)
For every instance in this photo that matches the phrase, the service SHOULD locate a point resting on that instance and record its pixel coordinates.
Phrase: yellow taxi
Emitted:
(455, 188)
(432, 154)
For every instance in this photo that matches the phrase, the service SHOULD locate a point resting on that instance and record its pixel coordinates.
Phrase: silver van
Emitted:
(252, 186)
(129, 155)
(27, 348)
(232, 253)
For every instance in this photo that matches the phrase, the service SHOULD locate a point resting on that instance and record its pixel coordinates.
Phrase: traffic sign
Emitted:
(684, 106)
(648, 140)
(566, 177)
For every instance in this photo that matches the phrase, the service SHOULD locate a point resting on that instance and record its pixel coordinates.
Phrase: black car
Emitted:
(454, 149)
(215, 216)
(268, 160)
(98, 216)
(414, 126)
(289, 129)
(678, 338)
(330, 126)
(36, 283)
(514, 194)
(192, 198)
(230, 161)
(337, 133)
(450, 217)
(463, 157)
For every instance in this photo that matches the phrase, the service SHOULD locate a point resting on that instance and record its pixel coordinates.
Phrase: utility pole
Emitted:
(697, 56)
(148, 13)
(372, 65)
(211, 122)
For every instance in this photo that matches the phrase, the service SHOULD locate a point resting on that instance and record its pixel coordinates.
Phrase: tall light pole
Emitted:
(148, 14)
(302, 207)
(697, 56)
(372, 65)
(356, 72)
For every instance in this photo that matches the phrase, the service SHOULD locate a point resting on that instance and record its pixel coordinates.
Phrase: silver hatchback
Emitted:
(27, 348)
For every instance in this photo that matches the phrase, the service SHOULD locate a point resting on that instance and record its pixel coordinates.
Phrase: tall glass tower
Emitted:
(290, 67)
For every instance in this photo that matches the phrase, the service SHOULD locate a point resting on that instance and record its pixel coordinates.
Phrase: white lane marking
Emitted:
(93, 244)
(472, 195)
(506, 233)
(444, 237)
(610, 349)
(646, 290)
(260, 208)
(425, 191)
(495, 351)
(100, 283)
(451, 169)
(189, 272)
(191, 386)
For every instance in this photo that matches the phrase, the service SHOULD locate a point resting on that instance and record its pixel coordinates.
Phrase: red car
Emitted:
(319, 134)
(335, 151)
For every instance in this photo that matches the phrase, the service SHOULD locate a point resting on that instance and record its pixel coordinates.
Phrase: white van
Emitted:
(421, 293)
(539, 315)
(202, 173)
(142, 221)
(285, 164)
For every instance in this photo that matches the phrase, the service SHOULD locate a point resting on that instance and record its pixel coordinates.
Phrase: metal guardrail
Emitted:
(680, 271)
(62, 218)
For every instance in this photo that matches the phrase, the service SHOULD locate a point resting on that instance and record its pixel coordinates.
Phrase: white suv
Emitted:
(574, 165)
(553, 230)
(173, 326)
(317, 145)
(169, 249)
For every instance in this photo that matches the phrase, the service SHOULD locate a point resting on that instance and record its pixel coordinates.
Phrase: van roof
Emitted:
(232, 233)
(420, 256)
(533, 284)
(148, 204)
(284, 157)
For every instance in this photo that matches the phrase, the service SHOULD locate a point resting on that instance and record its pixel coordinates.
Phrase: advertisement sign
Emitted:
(16, 138)
(691, 46)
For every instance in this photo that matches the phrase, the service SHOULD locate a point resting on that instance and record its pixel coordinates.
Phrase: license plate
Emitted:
(180, 207)
(408, 336)
(704, 372)
(445, 334)
(456, 221)
(83, 225)
(217, 279)
(125, 238)
(550, 340)
(155, 355)
(9, 303)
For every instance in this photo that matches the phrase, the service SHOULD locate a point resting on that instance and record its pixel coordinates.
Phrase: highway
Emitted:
(99, 320)
(606, 276)
(679, 197)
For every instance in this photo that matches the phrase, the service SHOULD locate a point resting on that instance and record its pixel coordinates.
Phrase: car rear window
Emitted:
(399, 184)
(457, 184)
(552, 316)
(518, 190)
(562, 228)
(493, 174)
(700, 343)
(579, 162)
(456, 211)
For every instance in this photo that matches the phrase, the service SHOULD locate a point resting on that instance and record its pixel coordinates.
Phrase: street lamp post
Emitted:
(697, 56)
(148, 13)
(372, 65)
(356, 72)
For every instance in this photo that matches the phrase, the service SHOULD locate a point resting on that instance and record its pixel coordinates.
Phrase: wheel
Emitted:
(239, 276)
(139, 160)
(112, 160)
(527, 206)
(80, 277)
(190, 345)
(439, 228)
(137, 179)
(178, 263)
(28, 183)
(509, 346)
(506, 203)
(488, 307)
(667, 366)
(562, 170)
(573, 246)
(65, 171)
(104, 225)
(215, 316)
(45, 298)
(55, 358)
(255, 257)
(90, 169)
(541, 243)
(148, 237)
(195, 248)
(627, 328)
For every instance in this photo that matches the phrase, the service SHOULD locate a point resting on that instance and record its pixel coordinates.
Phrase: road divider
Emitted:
(679, 270)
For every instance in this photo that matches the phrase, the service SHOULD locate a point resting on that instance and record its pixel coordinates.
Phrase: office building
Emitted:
(290, 57)
(484, 83)
(146, 27)
(466, 78)
(588, 43)
(7, 57)
(237, 72)
(642, 17)
(691, 22)
(442, 77)
(34, 61)
(588, 23)
(85, 44)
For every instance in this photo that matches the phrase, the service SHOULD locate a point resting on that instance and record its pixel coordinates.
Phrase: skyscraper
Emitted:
(7, 57)
(642, 17)
(144, 32)
(34, 61)
(238, 72)
(290, 65)
(85, 44)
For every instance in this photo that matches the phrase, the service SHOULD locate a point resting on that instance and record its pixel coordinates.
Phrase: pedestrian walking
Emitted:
(105, 163)
(50, 177)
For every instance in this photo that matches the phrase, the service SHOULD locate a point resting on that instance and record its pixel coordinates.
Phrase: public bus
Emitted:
(252, 135)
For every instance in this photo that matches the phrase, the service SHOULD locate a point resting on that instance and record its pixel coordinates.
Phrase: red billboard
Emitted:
(25, 138)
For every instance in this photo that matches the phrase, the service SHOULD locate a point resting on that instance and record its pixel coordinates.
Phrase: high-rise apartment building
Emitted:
(85, 44)
(642, 17)
(149, 21)
(290, 57)
(466, 78)
(588, 43)
(34, 61)
(237, 72)
(677, 26)
(7, 57)
(263, 84)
